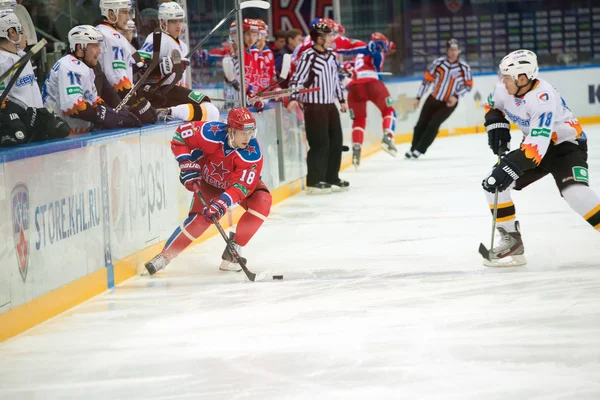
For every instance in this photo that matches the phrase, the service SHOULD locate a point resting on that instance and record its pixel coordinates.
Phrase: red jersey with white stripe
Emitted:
(364, 69)
(236, 171)
(266, 62)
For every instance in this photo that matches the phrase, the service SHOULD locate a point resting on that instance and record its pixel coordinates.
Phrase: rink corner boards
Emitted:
(28, 315)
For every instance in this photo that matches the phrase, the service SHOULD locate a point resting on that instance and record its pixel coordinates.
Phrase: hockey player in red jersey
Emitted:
(223, 161)
(365, 85)
(266, 59)
(251, 65)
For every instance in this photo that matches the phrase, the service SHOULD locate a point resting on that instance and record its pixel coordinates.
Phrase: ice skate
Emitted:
(163, 114)
(509, 252)
(319, 188)
(356, 148)
(229, 263)
(387, 144)
(156, 264)
(340, 186)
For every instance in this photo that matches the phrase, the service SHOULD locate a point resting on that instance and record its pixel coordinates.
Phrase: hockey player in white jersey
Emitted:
(23, 117)
(171, 18)
(70, 91)
(116, 56)
(553, 143)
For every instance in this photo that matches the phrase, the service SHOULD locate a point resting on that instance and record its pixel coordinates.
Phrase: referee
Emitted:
(317, 68)
(451, 78)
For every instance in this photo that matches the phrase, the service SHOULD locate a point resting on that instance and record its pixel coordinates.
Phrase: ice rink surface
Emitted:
(384, 297)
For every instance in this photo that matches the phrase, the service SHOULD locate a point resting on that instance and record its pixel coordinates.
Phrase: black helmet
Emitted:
(319, 29)
(452, 44)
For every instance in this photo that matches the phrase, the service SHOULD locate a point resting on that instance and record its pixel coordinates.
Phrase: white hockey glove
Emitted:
(166, 66)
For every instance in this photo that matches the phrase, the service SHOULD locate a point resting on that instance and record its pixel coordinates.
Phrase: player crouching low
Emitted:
(554, 143)
(223, 162)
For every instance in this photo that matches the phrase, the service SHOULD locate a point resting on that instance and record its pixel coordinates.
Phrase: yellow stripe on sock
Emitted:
(597, 227)
(191, 107)
(503, 205)
(591, 213)
(504, 219)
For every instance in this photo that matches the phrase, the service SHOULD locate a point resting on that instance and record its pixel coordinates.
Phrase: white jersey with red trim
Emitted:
(25, 91)
(68, 90)
(542, 115)
(115, 58)
(167, 45)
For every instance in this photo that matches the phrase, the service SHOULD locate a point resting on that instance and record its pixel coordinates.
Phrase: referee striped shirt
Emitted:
(448, 79)
(318, 70)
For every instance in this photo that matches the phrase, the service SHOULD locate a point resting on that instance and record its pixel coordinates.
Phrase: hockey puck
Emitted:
(277, 276)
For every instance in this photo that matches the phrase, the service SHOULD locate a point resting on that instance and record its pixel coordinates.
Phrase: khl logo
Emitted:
(20, 220)
(594, 93)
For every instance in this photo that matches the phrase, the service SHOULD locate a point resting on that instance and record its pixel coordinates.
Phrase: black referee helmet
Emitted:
(319, 29)
(452, 44)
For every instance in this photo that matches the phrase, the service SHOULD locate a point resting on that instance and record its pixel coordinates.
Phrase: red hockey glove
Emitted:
(216, 208)
(191, 175)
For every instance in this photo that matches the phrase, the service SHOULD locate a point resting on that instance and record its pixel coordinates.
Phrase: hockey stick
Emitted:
(487, 254)
(156, 36)
(274, 95)
(177, 71)
(18, 67)
(251, 275)
(243, 5)
(26, 23)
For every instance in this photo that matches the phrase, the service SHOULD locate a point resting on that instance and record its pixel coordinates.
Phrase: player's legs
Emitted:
(190, 229)
(258, 207)
(357, 106)
(510, 249)
(570, 172)
(336, 140)
(380, 96)
(316, 119)
(441, 113)
(190, 105)
(429, 108)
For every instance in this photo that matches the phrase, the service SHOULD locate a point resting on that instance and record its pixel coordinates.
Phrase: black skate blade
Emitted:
(485, 253)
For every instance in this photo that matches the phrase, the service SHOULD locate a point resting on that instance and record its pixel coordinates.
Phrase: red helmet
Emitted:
(339, 29)
(250, 25)
(262, 27)
(379, 36)
(241, 119)
(329, 22)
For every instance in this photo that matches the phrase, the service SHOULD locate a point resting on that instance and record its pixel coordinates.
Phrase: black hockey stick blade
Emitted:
(177, 71)
(485, 253)
(18, 67)
(251, 275)
(156, 39)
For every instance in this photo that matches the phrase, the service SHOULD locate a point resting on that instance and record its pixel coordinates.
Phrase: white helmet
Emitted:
(84, 35)
(7, 4)
(7, 21)
(520, 62)
(170, 11)
(114, 5)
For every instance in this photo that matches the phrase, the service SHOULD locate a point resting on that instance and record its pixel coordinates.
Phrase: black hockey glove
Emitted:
(498, 130)
(151, 93)
(503, 174)
(144, 111)
(45, 125)
(14, 131)
(110, 119)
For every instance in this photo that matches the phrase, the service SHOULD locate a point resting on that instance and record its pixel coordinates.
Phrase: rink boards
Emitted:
(80, 216)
